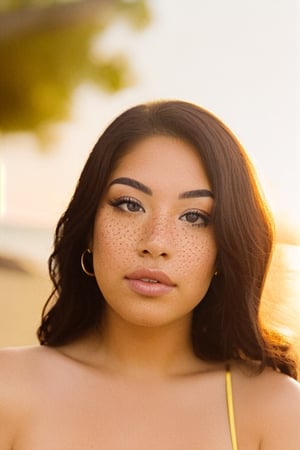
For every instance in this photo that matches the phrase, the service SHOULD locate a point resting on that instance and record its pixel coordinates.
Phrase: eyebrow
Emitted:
(132, 183)
(197, 193)
(143, 188)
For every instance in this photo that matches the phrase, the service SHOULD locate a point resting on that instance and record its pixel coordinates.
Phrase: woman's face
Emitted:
(153, 245)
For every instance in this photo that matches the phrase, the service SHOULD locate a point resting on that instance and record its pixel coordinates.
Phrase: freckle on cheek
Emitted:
(192, 252)
(118, 236)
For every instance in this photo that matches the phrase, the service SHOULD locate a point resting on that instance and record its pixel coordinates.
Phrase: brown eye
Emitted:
(195, 217)
(132, 206)
(127, 204)
(192, 217)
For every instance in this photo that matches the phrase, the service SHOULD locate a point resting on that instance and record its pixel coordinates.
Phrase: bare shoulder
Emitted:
(20, 369)
(16, 381)
(271, 401)
(13, 363)
(271, 387)
(16, 362)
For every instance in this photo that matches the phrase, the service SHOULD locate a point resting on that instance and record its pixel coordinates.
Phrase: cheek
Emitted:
(196, 254)
(112, 240)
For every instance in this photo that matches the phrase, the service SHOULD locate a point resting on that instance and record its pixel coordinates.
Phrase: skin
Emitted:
(159, 231)
(136, 385)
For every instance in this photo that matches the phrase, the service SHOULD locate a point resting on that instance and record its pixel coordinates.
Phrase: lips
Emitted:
(150, 275)
(149, 282)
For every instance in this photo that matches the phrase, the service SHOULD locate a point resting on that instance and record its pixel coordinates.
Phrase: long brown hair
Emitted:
(226, 322)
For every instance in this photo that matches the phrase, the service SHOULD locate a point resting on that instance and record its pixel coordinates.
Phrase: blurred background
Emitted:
(69, 67)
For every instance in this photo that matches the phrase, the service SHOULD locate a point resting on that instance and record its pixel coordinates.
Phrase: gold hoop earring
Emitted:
(87, 272)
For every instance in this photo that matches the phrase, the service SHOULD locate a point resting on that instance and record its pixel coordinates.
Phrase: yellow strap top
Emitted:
(230, 408)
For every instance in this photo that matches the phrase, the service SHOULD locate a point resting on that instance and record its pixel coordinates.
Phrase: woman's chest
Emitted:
(125, 418)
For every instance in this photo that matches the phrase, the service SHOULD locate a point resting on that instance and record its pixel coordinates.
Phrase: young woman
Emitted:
(151, 338)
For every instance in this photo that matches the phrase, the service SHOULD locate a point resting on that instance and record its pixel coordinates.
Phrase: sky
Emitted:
(239, 59)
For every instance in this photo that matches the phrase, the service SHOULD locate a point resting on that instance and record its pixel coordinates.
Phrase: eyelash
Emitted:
(119, 202)
(126, 200)
(205, 219)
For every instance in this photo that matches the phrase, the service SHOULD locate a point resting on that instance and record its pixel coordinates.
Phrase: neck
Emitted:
(148, 351)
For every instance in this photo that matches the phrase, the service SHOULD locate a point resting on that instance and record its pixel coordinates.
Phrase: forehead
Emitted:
(163, 159)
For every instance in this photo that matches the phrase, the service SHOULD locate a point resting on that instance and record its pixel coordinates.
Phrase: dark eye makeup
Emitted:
(195, 217)
(127, 204)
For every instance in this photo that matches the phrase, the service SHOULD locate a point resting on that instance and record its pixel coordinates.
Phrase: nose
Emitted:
(156, 239)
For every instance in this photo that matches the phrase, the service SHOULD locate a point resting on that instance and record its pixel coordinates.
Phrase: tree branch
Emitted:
(55, 16)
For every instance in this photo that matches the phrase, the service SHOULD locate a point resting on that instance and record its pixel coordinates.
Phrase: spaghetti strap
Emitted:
(230, 408)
